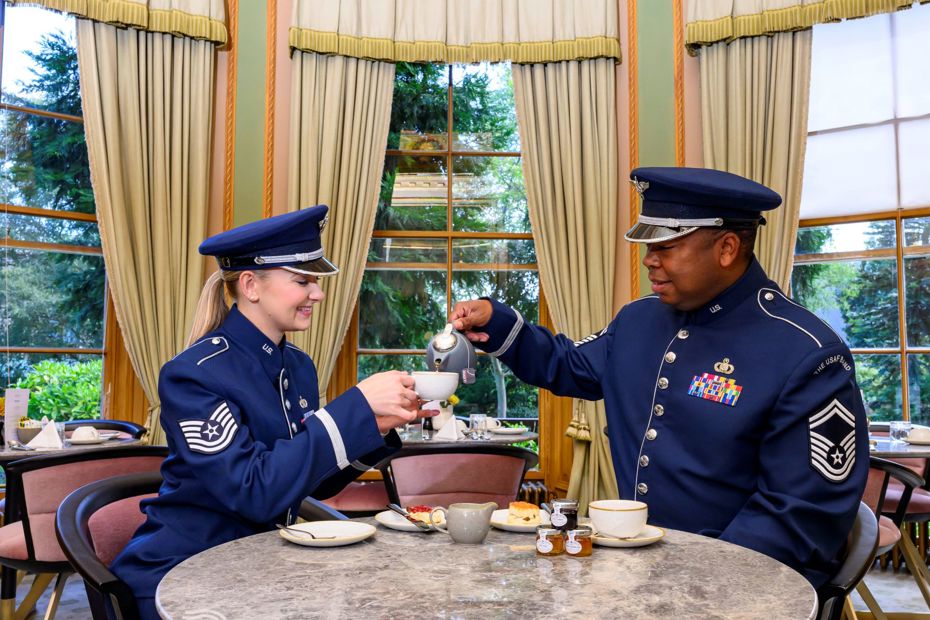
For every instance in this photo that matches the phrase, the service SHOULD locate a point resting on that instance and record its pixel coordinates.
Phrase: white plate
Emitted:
(391, 519)
(649, 535)
(499, 520)
(108, 434)
(508, 430)
(918, 442)
(343, 533)
(87, 442)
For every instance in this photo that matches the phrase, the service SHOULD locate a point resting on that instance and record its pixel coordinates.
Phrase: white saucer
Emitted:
(649, 535)
(509, 430)
(499, 520)
(918, 442)
(87, 442)
(344, 533)
(392, 520)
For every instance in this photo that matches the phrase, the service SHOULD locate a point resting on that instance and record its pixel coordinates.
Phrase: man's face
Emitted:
(686, 272)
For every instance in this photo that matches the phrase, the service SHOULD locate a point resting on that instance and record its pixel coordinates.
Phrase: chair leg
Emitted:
(39, 583)
(55, 598)
(8, 583)
(917, 567)
(870, 601)
(849, 612)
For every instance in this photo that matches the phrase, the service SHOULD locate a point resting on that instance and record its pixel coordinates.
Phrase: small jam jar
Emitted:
(549, 541)
(578, 542)
(564, 514)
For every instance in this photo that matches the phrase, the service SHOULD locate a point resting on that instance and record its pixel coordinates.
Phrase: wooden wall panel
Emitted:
(123, 397)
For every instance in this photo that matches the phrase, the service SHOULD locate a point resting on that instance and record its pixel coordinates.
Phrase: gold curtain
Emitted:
(197, 19)
(340, 112)
(148, 100)
(568, 128)
(754, 100)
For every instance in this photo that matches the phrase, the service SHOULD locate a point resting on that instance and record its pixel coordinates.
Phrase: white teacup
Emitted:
(431, 385)
(85, 433)
(492, 423)
(919, 433)
(620, 518)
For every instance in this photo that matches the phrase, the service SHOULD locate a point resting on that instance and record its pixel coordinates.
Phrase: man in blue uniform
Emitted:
(732, 411)
(240, 407)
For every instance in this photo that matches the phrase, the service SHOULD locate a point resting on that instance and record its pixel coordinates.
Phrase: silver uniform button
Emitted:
(644, 461)
(670, 357)
(651, 434)
(682, 334)
(663, 383)
(285, 383)
(294, 427)
(642, 488)
(287, 404)
(659, 410)
(215, 341)
(769, 297)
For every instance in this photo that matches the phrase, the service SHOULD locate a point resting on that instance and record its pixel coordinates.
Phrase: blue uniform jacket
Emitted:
(741, 420)
(247, 443)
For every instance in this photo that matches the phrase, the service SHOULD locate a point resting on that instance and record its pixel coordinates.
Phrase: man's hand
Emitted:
(468, 315)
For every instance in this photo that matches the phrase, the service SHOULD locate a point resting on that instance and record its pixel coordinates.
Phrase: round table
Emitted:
(8, 454)
(414, 575)
(495, 438)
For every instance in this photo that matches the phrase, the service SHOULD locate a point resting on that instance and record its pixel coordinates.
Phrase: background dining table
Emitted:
(8, 454)
(883, 447)
(397, 574)
(494, 438)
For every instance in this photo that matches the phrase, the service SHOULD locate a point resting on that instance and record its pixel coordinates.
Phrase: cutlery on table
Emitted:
(15, 445)
(423, 526)
(294, 530)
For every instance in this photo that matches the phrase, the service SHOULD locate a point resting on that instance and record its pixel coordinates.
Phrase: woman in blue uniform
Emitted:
(240, 406)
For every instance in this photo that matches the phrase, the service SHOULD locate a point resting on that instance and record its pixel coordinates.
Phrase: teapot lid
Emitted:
(444, 340)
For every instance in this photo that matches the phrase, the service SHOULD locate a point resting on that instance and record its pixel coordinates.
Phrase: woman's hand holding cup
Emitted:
(392, 398)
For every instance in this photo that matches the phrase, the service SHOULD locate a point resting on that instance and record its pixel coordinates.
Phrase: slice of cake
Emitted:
(522, 513)
(421, 513)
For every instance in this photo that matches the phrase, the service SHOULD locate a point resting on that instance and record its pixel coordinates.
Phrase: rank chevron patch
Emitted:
(212, 435)
(833, 441)
(590, 338)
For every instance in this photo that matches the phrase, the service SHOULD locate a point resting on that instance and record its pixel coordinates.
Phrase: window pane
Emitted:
(371, 364)
(40, 67)
(62, 387)
(496, 392)
(852, 237)
(420, 108)
(879, 378)
(484, 115)
(51, 230)
(414, 194)
(43, 163)
(516, 287)
(850, 73)
(402, 306)
(918, 375)
(917, 304)
(849, 172)
(493, 251)
(912, 48)
(488, 195)
(914, 158)
(53, 299)
(858, 299)
(916, 231)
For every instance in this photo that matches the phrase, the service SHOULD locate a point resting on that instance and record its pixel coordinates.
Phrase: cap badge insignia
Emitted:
(303, 402)
(716, 388)
(640, 186)
(324, 222)
(725, 366)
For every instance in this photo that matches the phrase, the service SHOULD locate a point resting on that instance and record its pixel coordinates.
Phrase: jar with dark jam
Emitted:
(564, 514)
(579, 542)
(549, 541)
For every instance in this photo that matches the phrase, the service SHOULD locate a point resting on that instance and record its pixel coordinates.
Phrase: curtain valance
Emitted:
(460, 31)
(710, 21)
(197, 19)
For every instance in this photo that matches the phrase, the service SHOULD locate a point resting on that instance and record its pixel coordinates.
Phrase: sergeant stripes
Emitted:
(212, 435)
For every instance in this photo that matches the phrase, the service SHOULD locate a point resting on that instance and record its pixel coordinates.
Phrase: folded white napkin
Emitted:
(448, 432)
(47, 438)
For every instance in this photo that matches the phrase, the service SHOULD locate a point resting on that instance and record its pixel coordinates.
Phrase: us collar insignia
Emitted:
(724, 367)
(715, 388)
(640, 186)
(303, 402)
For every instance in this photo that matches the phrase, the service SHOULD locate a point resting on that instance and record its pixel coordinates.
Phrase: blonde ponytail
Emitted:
(211, 307)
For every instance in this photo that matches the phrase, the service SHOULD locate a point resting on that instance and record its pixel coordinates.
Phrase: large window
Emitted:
(452, 224)
(53, 276)
(863, 251)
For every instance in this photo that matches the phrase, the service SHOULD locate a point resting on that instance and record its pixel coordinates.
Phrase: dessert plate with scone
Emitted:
(519, 517)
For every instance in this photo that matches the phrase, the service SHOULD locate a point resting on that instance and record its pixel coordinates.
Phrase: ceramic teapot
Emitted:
(450, 351)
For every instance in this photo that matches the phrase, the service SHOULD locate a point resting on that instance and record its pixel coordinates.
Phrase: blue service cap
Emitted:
(290, 241)
(678, 201)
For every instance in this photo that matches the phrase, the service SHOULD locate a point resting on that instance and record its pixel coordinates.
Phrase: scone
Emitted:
(522, 513)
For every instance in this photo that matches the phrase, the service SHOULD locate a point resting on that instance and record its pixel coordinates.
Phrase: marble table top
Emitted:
(884, 448)
(414, 575)
(494, 438)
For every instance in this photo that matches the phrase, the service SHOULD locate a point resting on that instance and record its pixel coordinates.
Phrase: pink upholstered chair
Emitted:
(93, 524)
(360, 499)
(35, 488)
(439, 476)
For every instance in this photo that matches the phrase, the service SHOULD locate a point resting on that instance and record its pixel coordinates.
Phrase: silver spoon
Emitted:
(15, 445)
(294, 530)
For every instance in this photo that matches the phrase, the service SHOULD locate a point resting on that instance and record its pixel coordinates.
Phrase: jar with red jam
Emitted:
(564, 514)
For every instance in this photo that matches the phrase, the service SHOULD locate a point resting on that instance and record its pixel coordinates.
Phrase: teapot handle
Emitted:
(445, 517)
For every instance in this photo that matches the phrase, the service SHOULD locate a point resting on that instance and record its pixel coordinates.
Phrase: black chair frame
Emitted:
(530, 460)
(124, 426)
(861, 546)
